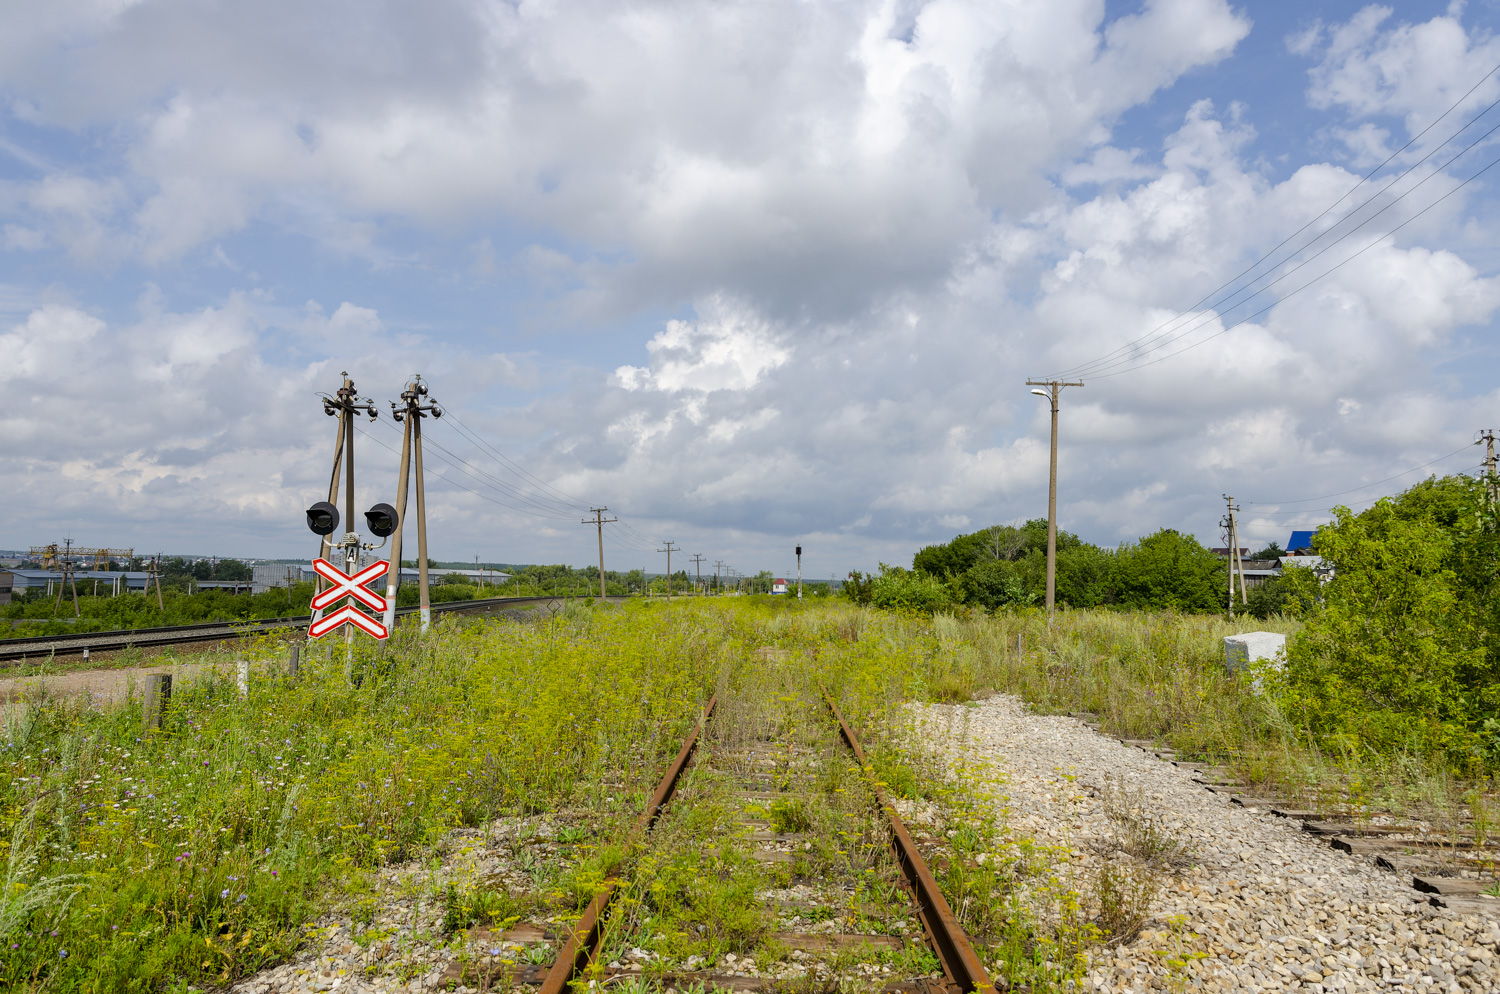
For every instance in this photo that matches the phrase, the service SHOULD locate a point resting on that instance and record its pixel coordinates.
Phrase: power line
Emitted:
(1291, 293)
(1388, 479)
(516, 467)
(1351, 504)
(1109, 359)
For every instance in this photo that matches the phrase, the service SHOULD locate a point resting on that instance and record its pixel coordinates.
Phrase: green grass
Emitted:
(201, 854)
(1161, 677)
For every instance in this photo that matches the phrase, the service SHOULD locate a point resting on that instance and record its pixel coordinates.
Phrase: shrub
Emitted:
(899, 589)
(1402, 651)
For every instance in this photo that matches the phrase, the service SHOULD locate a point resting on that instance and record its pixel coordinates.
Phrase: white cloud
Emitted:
(1372, 67)
(880, 215)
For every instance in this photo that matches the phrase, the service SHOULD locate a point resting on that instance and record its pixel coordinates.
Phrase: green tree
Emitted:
(1169, 570)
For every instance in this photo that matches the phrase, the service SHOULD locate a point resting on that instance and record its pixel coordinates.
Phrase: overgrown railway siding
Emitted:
(774, 867)
(1253, 902)
(1451, 857)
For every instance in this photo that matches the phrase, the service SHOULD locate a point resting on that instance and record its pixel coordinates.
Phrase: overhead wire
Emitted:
(1376, 483)
(515, 467)
(1296, 290)
(541, 504)
(1110, 359)
(453, 482)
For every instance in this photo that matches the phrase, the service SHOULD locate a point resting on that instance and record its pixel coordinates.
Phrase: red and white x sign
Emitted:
(353, 587)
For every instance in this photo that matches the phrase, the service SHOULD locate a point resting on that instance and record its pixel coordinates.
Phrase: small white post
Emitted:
(242, 677)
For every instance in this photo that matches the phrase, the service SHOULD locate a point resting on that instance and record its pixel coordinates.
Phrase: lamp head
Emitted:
(322, 518)
(1042, 393)
(382, 519)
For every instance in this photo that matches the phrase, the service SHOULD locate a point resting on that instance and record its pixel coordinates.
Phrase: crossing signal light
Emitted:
(382, 519)
(322, 518)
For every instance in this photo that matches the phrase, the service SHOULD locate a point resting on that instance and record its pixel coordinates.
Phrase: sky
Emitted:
(748, 274)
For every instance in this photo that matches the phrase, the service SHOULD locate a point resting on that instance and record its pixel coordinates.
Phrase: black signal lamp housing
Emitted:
(322, 518)
(382, 519)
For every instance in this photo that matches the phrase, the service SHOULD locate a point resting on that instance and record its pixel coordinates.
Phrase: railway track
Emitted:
(40, 647)
(756, 785)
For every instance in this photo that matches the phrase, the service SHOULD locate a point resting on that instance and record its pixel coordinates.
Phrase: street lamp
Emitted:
(1054, 387)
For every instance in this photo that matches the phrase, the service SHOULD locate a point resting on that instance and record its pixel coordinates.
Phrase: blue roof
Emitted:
(1300, 541)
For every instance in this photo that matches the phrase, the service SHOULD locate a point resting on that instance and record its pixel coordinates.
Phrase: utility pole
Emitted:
(409, 414)
(698, 562)
(599, 521)
(1487, 436)
(1054, 388)
(718, 587)
(799, 572)
(1235, 562)
(67, 577)
(156, 575)
(668, 551)
(345, 403)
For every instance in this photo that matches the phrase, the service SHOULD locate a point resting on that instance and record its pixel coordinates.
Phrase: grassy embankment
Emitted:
(200, 854)
(1162, 677)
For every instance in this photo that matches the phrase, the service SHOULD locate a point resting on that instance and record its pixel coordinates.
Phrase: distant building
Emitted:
(1300, 542)
(778, 586)
(88, 581)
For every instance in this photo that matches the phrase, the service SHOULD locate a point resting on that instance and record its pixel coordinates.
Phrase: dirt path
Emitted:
(99, 685)
(1258, 904)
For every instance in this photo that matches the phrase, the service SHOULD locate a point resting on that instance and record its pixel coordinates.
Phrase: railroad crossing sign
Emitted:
(353, 587)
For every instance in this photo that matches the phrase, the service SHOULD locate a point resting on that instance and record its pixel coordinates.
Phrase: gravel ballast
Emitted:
(1256, 904)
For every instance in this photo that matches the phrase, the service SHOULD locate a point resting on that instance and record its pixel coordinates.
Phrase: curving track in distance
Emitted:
(42, 646)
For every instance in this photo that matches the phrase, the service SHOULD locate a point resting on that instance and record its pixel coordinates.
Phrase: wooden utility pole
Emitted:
(1054, 388)
(345, 403)
(599, 521)
(1487, 436)
(698, 561)
(718, 587)
(1235, 562)
(325, 542)
(66, 561)
(668, 551)
(409, 414)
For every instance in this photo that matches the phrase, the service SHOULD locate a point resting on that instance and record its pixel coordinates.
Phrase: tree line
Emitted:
(1006, 566)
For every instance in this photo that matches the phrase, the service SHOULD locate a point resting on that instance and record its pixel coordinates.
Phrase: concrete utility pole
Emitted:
(698, 562)
(1054, 388)
(718, 587)
(409, 414)
(668, 551)
(599, 521)
(1235, 562)
(1487, 436)
(799, 572)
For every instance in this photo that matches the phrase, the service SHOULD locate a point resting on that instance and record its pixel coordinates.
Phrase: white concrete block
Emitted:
(1247, 647)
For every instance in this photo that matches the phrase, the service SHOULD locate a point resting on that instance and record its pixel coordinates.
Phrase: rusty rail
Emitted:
(960, 964)
(583, 941)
